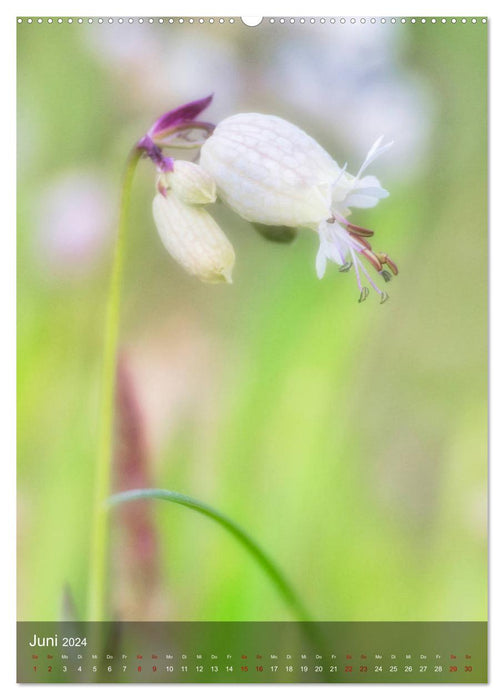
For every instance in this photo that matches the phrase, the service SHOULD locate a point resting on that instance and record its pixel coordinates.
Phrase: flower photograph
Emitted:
(252, 320)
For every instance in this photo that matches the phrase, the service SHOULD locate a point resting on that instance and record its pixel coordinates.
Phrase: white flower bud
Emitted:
(270, 171)
(193, 238)
(190, 182)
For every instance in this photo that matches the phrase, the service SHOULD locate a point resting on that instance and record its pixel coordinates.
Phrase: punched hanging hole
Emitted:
(251, 21)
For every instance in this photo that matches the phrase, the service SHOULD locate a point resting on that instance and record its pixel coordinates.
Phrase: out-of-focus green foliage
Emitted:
(349, 439)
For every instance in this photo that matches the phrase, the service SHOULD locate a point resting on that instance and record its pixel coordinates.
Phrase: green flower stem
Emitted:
(97, 591)
(264, 561)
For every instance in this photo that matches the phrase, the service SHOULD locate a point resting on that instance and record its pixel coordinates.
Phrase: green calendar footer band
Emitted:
(252, 652)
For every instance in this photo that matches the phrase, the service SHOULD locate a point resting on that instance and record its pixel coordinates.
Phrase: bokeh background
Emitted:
(349, 439)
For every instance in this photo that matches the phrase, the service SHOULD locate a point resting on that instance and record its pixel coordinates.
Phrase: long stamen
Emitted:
(369, 255)
(367, 275)
(356, 238)
(359, 230)
(364, 291)
(361, 241)
(356, 268)
(370, 280)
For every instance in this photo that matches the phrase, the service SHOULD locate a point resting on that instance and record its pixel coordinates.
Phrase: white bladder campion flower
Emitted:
(272, 174)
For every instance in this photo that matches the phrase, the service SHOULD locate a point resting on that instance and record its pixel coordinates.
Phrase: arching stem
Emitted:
(266, 563)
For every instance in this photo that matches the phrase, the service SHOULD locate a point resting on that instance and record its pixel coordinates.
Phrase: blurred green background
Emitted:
(349, 439)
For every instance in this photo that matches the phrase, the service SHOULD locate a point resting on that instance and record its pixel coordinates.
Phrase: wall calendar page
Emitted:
(252, 349)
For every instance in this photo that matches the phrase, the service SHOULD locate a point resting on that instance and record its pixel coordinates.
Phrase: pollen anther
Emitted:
(385, 260)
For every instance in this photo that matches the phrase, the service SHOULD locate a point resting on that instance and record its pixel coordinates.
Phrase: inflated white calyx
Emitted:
(193, 238)
(270, 171)
(190, 182)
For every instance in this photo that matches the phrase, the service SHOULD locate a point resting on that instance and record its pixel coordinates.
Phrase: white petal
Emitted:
(378, 192)
(366, 193)
(368, 181)
(373, 153)
(362, 201)
(321, 261)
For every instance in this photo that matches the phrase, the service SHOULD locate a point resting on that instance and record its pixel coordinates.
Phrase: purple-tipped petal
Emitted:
(179, 121)
(181, 115)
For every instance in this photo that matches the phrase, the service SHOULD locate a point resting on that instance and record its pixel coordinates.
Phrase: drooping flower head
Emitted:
(273, 175)
(271, 172)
